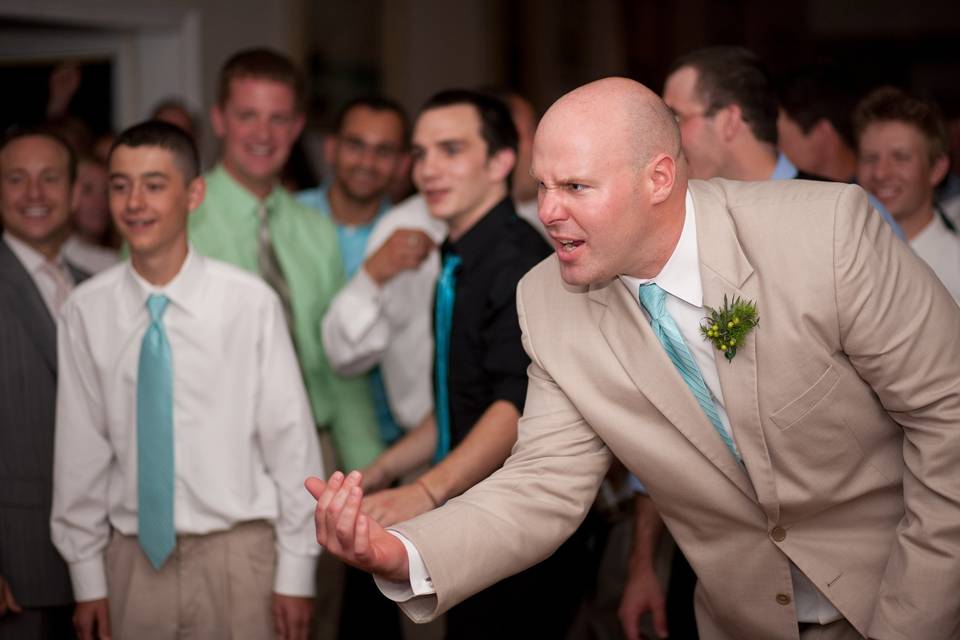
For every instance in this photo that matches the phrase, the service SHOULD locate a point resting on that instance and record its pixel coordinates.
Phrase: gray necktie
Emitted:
(269, 265)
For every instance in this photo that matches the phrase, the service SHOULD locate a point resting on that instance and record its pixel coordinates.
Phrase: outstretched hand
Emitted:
(351, 535)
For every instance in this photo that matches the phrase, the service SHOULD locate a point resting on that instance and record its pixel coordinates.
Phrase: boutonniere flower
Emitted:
(727, 326)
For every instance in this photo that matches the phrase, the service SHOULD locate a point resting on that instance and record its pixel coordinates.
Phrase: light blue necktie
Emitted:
(155, 438)
(654, 299)
(442, 324)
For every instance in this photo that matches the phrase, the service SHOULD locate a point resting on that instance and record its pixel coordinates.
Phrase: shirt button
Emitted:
(779, 534)
(783, 599)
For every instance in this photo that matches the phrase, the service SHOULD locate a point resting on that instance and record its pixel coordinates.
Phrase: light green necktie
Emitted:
(155, 438)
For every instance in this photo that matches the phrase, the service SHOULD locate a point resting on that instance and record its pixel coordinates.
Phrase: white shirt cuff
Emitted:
(295, 575)
(419, 584)
(89, 579)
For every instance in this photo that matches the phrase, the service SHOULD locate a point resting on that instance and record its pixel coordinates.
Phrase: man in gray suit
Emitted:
(36, 178)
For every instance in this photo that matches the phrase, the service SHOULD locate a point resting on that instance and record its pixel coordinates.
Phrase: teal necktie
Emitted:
(654, 299)
(155, 438)
(442, 324)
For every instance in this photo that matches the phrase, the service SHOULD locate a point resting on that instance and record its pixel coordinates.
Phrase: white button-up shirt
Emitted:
(244, 438)
(35, 264)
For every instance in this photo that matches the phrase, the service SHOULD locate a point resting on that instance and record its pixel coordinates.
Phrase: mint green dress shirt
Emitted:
(225, 227)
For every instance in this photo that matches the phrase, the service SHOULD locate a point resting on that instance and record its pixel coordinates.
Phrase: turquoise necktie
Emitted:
(654, 299)
(442, 324)
(155, 438)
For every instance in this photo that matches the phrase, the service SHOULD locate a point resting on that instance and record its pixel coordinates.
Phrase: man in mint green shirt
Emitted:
(258, 117)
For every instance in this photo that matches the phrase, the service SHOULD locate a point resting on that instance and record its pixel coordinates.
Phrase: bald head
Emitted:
(611, 181)
(621, 112)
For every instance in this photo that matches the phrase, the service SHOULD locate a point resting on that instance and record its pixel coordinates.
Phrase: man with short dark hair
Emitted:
(464, 150)
(37, 171)
(250, 220)
(902, 158)
(177, 378)
(726, 107)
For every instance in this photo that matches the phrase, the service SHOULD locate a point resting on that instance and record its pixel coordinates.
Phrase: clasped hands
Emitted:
(356, 537)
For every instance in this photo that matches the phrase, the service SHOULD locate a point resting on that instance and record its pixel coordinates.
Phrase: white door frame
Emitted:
(155, 52)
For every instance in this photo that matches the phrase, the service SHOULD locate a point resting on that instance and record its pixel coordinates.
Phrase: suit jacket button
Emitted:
(783, 599)
(779, 534)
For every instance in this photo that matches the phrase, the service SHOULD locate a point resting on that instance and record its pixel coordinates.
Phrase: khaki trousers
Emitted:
(212, 587)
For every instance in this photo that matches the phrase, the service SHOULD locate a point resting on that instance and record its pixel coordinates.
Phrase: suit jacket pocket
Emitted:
(795, 410)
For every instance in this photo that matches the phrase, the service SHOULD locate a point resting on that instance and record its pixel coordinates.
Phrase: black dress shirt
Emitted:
(486, 358)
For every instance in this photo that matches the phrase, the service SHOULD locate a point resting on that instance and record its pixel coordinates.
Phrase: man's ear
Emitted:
(823, 129)
(661, 176)
(196, 190)
(939, 169)
(501, 164)
(730, 121)
(217, 120)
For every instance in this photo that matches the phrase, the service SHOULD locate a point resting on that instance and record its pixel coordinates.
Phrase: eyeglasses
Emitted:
(359, 147)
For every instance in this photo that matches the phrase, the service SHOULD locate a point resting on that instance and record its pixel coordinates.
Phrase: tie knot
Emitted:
(156, 305)
(653, 299)
(450, 262)
(263, 211)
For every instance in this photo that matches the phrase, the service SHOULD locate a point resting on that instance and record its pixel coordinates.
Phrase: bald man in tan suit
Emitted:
(834, 514)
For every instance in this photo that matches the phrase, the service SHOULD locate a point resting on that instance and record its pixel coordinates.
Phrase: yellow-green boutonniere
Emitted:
(727, 326)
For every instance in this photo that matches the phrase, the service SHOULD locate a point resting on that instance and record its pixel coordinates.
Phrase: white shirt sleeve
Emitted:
(78, 523)
(355, 329)
(419, 584)
(291, 452)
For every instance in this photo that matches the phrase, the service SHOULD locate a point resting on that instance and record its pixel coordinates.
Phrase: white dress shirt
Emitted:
(390, 325)
(680, 278)
(89, 257)
(244, 438)
(38, 268)
(940, 248)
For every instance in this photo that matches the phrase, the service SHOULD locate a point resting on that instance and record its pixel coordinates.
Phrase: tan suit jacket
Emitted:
(844, 401)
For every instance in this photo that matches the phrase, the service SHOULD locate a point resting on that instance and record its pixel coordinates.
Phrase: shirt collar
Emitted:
(484, 236)
(237, 196)
(785, 170)
(680, 276)
(185, 290)
(31, 259)
(319, 199)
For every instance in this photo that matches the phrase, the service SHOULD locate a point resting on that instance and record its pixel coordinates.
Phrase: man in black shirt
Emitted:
(464, 149)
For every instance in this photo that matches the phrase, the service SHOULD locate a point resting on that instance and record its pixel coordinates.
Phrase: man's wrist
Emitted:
(377, 276)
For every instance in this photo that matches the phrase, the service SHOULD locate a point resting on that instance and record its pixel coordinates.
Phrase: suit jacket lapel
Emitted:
(725, 270)
(635, 346)
(28, 306)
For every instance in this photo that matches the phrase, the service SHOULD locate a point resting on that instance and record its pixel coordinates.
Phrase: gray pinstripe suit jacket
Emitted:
(28, 390)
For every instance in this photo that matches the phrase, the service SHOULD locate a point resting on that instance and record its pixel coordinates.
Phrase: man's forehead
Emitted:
(681, 86)
(362, 119)
(458, 121)
(245, 89)
(142, 159)
(31, 149)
